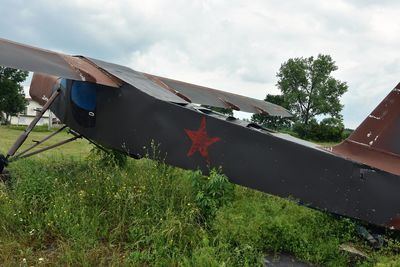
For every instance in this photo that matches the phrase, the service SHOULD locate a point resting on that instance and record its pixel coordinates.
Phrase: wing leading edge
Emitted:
(29, 58)
(216, 98)
(181, 92)
(79, 68)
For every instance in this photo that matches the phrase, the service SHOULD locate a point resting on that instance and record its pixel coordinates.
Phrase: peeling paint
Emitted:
(374, 117)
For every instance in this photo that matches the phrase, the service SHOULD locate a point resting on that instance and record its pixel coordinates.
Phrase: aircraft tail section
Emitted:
(376, 142)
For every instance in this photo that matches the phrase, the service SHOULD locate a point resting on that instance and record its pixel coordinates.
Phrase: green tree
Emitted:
(331, 129)
(12, 97)
(309, 89)
(328, 130)
(273, 122)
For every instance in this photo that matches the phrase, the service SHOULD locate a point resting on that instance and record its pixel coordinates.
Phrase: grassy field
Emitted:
(70, 207)
(78, 149)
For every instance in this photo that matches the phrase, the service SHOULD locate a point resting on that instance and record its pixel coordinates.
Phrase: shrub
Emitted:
(331, 129)
(212, 192)
(107, 157)
(328, 130)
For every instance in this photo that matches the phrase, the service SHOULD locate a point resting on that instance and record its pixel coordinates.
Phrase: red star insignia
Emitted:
(200, 140)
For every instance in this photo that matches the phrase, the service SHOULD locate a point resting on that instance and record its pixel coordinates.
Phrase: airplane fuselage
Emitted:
(194, 138)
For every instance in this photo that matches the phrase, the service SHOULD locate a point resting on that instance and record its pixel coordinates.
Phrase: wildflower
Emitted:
(82, 194)
(24, 260)
(41, 259)
(32, 232)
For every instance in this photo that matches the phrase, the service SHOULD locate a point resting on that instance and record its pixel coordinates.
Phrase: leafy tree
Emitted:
(329, 129)
(273, 122)
(12, 97)
(309, 89)
(347, 132)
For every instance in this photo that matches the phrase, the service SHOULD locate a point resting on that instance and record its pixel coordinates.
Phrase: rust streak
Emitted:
(229, 104)
(165, 86)
(91, 72)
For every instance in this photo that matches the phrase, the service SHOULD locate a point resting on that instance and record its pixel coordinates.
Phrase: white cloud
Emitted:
(233, 45)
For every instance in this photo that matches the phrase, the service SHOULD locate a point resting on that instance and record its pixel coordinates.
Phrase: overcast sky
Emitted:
(237, 46)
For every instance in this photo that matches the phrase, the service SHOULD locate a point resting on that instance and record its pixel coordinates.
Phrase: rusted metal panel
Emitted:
(216, 98)
(42, 87)
(24, 57)
(139, 81)
(79, 68)
(183, 93)
(91, 72)
(20, 56)
(163, 85)
(376, 141)
(379, 159)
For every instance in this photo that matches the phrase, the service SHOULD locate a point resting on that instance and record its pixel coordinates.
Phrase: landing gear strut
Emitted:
(12, 156)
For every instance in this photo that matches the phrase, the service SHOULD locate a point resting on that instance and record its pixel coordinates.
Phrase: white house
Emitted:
(29, 114)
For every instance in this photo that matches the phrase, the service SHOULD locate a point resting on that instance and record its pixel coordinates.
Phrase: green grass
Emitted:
(79, 148)
(63, 209)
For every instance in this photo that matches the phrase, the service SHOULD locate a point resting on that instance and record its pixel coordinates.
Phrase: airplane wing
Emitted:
(182, 92)
(222, 99)
(80, 68)
(24, 57)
